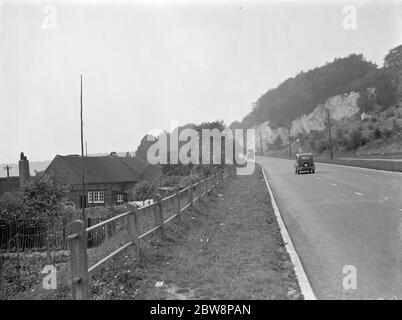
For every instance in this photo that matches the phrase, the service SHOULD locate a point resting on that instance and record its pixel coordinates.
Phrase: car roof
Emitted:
(304, 154)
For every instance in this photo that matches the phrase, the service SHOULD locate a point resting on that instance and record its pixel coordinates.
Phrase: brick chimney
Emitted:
(23, 166)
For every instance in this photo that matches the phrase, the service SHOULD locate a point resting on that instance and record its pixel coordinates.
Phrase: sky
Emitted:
(145, 64)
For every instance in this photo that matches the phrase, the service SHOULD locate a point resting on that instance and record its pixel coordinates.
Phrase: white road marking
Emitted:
(301, 276)
(358, 193)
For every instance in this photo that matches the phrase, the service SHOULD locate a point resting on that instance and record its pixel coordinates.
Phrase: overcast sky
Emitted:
(146, 64)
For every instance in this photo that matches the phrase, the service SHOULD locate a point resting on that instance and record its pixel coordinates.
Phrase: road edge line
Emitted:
(301, 276)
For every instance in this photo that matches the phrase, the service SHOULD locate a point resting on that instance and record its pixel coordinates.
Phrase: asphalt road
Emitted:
(343, 216)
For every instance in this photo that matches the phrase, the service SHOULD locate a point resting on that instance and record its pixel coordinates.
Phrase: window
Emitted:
(90, 200)
(96, 197)
(119, 198)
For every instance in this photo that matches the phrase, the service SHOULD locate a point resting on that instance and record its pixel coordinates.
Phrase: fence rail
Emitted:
(37, 235)
(141, 222)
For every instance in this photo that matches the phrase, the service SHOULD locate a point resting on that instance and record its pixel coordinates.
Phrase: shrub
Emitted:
(11, 201)
(389, 114)
(374, 119)
(278, 142)
(355, 140)
(40, 200)
(141, 190)
(365, 102)
(321, 146)
(395, 126)
(387, 133)
(377, 134)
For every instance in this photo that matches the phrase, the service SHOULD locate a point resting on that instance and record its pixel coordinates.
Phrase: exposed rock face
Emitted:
(340, 107)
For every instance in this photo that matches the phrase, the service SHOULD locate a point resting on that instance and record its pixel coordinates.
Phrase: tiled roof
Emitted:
(109, 169)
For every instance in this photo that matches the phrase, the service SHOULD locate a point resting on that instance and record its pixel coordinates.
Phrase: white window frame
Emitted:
(96, 197)
(119, 198)
(90, 197)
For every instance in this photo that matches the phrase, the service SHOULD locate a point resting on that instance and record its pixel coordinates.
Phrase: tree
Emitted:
(365, 102)
(142, 149)
(393, 59)
(386, 90)
(393, 65)
(278, 142)
(43, 196)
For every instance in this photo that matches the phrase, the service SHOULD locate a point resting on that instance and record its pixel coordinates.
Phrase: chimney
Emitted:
(23, 166)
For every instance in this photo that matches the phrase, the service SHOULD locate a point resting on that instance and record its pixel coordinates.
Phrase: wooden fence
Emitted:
(140, 222)
(35, 235)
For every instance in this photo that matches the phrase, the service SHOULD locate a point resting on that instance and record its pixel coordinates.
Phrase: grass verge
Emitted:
(370, 164)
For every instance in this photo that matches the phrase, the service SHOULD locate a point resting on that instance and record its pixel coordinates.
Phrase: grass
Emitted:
(371, 164)
(228, 247)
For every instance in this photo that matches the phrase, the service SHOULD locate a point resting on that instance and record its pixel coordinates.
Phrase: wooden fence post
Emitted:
(177, 200)
(190, 194)
(158, 214)
(134, 229)
(221, 177)
(2, 279)
(79, 261)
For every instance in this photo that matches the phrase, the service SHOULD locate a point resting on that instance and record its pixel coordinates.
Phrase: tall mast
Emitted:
(83, 203)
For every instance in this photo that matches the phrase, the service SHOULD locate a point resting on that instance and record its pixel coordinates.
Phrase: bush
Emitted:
(11, 201)
(356, 139)
(387, 133)
(377, 134)
(40, 200)
(365, 102)
(321, 146)
(395, 126)
(185, 181)
(141, 190)
(389, 114)
(278, 142)
(374, 119)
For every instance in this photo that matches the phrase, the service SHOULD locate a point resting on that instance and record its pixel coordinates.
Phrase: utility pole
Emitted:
(262, 151)
(86, 149)
(7, 167)
(290, 143)
(83, 203)
(329, 134)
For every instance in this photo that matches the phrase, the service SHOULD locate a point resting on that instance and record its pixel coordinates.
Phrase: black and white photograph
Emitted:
(195, 156)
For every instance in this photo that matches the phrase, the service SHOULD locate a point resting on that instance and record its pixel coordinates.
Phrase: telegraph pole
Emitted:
(262, 151)
(83, 203)
(329, 134)
(290, 143)
(7, 167)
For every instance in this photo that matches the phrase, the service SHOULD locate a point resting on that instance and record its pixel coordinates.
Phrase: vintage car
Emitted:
(304, 162)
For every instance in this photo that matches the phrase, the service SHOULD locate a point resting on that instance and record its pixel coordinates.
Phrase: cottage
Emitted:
(109, 180)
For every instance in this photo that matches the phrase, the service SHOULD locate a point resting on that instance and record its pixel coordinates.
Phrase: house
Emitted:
(10, 184)
(109, 180)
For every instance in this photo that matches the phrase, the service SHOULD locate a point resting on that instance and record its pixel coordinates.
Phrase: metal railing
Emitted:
(139, 225)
